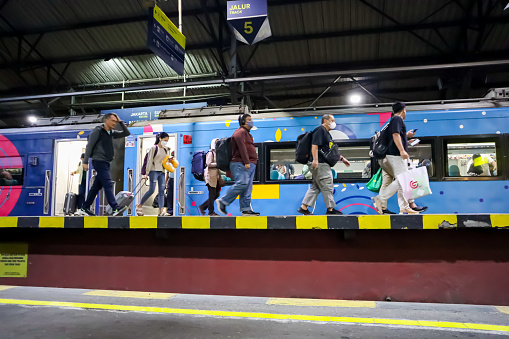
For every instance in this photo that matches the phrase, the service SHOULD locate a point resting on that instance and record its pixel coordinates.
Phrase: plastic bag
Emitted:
(375, 183)
(415, 183)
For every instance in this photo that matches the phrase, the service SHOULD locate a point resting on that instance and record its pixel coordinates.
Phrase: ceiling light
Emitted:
(355, 98)
(32, 119)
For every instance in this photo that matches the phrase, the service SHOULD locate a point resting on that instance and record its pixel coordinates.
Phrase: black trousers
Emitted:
(213, 195)
(169, 195)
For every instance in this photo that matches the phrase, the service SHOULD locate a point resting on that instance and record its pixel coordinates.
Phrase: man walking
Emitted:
(321, 143)
(394, 163)
(100, 149)
(243, 168)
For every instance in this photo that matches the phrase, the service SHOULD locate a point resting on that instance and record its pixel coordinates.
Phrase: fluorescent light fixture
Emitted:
(355, 98)
(32, 119)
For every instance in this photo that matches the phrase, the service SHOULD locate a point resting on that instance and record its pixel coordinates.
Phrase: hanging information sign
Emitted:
(249, 20)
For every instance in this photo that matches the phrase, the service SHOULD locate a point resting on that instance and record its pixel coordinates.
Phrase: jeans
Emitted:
(322, 182)
(102, 180)
(213, 195)
(155, 176)
(393, 165)
(169, 195)
(243, 186)
(81, 191)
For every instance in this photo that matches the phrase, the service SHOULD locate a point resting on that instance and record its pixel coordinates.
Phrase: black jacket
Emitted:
(100, 143)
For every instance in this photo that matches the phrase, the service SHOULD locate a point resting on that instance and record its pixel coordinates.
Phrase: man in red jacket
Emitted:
(243, 168)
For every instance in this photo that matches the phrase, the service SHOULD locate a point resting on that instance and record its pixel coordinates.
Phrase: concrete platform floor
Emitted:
(34, 312)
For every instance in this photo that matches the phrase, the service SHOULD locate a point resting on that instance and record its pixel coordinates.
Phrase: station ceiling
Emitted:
(74, 45)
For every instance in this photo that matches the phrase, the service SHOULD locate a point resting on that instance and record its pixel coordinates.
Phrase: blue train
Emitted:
(36, 163)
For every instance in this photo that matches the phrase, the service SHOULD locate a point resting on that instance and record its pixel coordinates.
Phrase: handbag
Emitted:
(332, 155)
(375, 183)
(220, 181)
(414, 182)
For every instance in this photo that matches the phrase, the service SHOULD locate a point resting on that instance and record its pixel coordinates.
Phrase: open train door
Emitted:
(144, 144)
(67, 159)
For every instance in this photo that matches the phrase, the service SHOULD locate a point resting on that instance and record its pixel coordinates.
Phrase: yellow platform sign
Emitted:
(13, 260)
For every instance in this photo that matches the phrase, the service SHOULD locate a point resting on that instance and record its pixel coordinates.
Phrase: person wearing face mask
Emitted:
(212, 179)
(243, 168)
(323, 181)
(156, 173)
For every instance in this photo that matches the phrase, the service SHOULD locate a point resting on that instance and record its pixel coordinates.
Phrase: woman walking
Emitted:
(153, 165)
(212, 179)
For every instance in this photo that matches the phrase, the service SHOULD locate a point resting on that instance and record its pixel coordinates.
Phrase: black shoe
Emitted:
(386, 211)
(202, 210)
(86, 211)
(334, 212)
(420, 208)
(213, 214)
(250, 214)
(221, 207)
(118, 211)
(303, 211)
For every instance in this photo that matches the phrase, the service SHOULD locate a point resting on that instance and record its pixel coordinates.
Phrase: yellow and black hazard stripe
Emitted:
(377, 222)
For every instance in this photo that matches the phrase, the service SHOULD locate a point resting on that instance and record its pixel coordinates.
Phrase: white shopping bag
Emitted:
(414, 182)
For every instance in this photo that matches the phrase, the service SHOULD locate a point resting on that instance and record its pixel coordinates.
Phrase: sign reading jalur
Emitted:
(165, 40)
(249, 20)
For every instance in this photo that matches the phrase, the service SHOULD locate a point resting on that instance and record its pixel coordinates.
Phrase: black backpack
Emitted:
(303, 148)
(223, 154)
(380, 143)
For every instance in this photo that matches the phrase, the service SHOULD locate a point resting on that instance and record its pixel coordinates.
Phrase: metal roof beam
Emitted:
(138, 18)
(274, 39)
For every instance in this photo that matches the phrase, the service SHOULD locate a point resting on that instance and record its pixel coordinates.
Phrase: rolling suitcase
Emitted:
(71, 199)
(125, 198)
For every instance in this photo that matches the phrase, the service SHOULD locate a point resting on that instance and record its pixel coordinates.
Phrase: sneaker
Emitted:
(378, 204)
(420, 209)
(386, 211)
(119, 211)
(334, 212)
(408, 211)
(303, 211)
(202, 210)
(250, 214)
(221, 207)
(86, 211)
(139, 211)
(167, 214)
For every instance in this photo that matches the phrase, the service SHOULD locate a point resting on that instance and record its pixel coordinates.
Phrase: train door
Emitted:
(67, 158)
(144, 144)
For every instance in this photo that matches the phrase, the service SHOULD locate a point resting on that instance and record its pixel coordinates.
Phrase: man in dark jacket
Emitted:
(100, 149)
(243, 168)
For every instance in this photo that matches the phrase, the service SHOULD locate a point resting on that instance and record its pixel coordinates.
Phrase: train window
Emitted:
(422, 155)
(282, 165)
(472, 159)
(11, 176)
(360, 163)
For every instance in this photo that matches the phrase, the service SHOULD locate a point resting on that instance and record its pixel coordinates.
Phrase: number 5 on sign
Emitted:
(247, 27)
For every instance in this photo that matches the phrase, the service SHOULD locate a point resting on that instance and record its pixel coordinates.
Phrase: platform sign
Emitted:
(13, 260)
(165, 40)
(130, 115)
(249, 20)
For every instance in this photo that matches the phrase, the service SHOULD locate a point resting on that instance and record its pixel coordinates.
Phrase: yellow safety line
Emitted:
(403, 322)
(503, 309)
(320, 302)
(5, 287)
(131, 294)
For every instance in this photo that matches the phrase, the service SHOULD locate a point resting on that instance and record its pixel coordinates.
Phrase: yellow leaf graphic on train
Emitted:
(227, 123)
(278, 135)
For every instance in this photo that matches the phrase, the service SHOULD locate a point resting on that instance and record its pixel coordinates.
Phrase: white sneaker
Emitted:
(408, 211)
(377, 202)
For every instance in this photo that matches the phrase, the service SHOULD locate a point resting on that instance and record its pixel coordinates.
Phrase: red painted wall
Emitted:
(451, 266)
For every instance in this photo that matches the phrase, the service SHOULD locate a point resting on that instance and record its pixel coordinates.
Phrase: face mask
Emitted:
(332, 125)
(250, 124)
(164, 143)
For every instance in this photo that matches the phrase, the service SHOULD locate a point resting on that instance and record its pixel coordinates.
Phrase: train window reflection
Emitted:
(11, 176)
(471, 159)
(284, 167)
(360, 163)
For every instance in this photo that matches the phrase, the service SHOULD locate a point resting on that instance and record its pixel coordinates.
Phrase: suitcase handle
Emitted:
(69, 187)
(137, 190)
